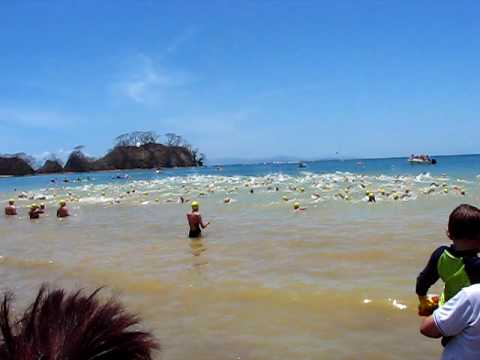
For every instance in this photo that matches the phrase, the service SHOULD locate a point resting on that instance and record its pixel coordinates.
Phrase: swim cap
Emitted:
(34, 206)
(285, 198)
(296, 205)
(195, 205)
(62, 203)
(42, 204)
(11, 201)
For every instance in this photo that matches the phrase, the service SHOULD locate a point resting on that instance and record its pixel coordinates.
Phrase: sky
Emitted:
(242, 79)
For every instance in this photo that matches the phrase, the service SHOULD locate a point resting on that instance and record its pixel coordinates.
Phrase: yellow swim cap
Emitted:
(34, 206)
(296, 205)
(285, 198)
(62, 203)
(195, 205)
(11, 201)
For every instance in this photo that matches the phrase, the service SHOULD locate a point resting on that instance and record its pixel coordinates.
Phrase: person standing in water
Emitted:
(34, 212)
(62, 210)
(195, 221)
(42, 208)
(10, 209)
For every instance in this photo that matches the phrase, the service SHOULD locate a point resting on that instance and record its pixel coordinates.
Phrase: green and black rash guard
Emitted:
(429, 275)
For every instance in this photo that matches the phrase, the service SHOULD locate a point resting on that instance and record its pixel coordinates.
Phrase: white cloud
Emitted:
(149, 82)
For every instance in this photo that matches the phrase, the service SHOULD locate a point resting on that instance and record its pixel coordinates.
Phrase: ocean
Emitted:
(335, 281)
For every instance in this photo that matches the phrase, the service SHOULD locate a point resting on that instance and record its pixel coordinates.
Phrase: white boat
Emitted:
(422, 161)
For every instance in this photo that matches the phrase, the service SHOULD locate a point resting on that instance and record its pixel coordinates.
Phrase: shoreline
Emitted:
(100, 171)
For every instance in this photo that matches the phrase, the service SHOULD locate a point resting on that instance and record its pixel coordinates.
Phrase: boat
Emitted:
(421, 160)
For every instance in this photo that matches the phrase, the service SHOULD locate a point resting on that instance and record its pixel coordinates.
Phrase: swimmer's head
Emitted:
(62, 203)
(11, 202)
(42, 206)
(296, 206)
(195, 205)
(33, 206)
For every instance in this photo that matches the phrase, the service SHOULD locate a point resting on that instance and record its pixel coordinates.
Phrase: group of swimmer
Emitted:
(36, 210)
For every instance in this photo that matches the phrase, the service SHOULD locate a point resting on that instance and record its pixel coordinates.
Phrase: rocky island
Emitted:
(138, 150)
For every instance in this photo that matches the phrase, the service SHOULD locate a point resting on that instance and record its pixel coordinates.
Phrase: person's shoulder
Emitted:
(439, 251)
(473, 291)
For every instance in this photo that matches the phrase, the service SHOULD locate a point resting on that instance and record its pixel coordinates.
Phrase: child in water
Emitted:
(195, 221)
(458, 264)
(10, 209)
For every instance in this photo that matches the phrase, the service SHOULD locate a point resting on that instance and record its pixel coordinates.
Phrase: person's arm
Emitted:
(429, 275)
(202, 224)
(429, 328)
(450, 319)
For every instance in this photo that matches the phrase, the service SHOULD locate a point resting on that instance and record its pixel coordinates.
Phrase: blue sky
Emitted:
(244, 79)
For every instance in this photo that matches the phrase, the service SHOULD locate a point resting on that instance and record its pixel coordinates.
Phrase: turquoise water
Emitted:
(462, 166)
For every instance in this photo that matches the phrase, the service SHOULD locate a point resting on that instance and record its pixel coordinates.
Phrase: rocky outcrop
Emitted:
(51, 167)
(148, 156)
(15, 165)
(78, 162)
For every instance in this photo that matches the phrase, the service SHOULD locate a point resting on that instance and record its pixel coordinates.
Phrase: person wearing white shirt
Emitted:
(458, 318)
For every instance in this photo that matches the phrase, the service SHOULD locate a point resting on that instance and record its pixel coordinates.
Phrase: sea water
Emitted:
(335, 281)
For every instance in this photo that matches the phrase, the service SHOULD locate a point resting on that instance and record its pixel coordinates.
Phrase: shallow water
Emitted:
(335, 281)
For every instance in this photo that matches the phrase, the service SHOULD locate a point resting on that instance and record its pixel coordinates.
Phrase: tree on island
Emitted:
(176, 140)
(137, 138)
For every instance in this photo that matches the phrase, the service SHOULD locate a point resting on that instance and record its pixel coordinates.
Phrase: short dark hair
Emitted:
(72, 326)
(464, 223)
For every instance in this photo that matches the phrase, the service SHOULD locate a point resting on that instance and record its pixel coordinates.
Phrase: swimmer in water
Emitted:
(42, 208)
(10, 209)
(62, 210)
(371, 197)
(34, 212)
(297, 208)
(195, 221)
